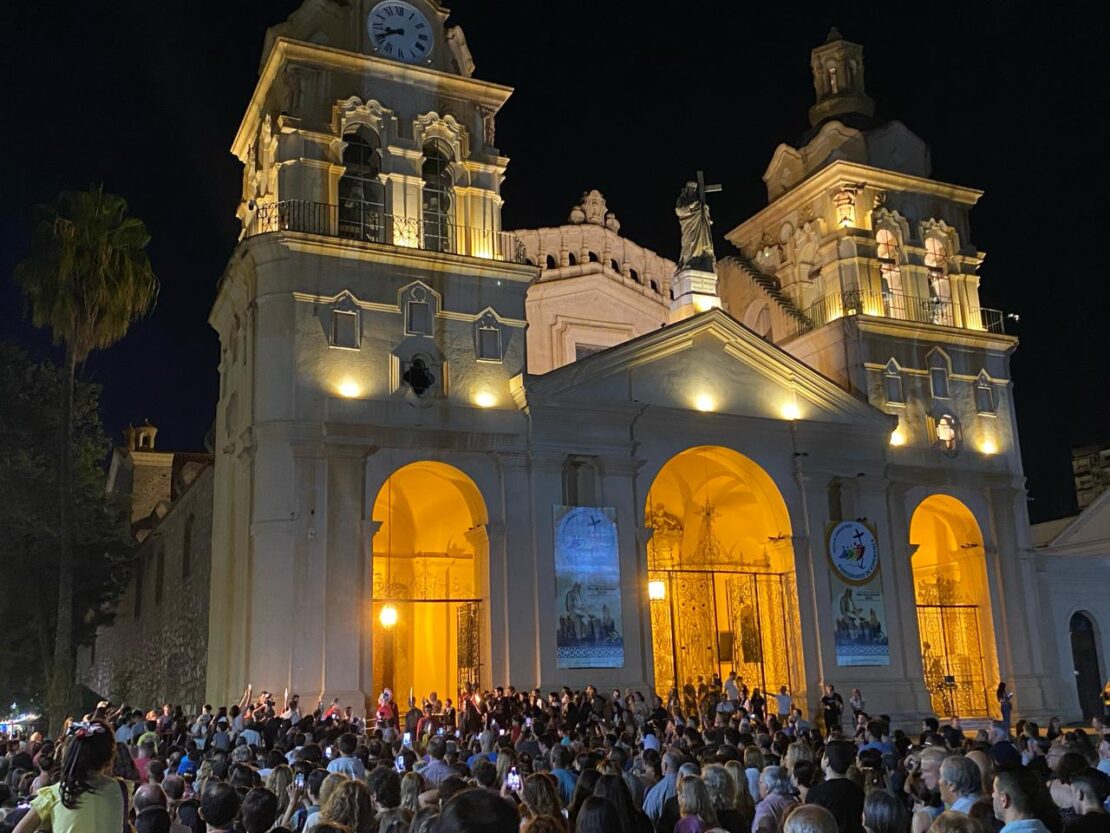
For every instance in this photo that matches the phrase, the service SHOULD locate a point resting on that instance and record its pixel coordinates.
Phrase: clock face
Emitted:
(400, 30)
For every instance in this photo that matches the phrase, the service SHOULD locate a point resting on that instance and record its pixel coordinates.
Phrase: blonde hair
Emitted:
(349, 803)
(541, 796)
(797, 751)
(694, 799)
(278, 782)
(753, 758)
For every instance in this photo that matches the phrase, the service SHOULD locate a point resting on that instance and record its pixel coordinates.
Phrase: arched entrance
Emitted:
(953, 608)
(429, 562)
(721, 576)
(1084, 653)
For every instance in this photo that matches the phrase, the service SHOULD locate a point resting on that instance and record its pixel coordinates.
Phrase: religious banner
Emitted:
(857, 594)
(587, 588)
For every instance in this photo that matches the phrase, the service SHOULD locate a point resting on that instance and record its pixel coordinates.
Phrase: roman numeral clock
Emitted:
(400, 30)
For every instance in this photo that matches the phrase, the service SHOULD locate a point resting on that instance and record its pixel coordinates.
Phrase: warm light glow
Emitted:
(485, 399)
(388, 616)
(704, 402)
(657, 590)
(349, 389)
(897, 437)
(790, 411)
(988, 446)
(704, 302)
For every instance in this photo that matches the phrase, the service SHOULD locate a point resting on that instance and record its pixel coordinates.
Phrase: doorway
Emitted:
(1084, 653)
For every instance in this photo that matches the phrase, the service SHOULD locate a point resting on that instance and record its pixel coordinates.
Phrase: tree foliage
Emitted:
(31, 397)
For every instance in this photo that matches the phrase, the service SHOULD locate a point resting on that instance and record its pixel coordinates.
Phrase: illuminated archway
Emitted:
(429, 565)
(721, 576)
(953, 608)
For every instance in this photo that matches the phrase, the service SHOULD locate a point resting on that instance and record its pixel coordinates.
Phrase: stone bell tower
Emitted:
(838, 79)
(372, 300)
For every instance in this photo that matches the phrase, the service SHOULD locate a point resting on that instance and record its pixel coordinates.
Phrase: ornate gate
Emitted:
(468, 629)
(952, 657)
(711, 622)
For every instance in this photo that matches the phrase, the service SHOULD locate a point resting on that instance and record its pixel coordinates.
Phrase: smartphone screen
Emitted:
(298, 780)
(399, 763)
(328, 750)
(512, 780)
(439, 731)
(528, 722)
(407, 738)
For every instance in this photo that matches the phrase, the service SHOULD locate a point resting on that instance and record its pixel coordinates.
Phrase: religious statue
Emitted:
(697, 238)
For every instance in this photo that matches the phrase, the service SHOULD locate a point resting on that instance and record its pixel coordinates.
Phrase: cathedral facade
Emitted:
(448, 454)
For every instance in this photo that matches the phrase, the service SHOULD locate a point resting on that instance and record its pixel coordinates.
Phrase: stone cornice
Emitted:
(948, 336)
(840, 172)
(484, 93)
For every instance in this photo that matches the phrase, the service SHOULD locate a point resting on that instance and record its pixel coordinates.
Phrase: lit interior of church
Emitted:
(953, 607)
(721, 574)
(427, 564)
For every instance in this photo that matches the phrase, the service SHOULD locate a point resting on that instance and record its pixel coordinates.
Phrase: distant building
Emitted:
(1090, 465)
(156, 651)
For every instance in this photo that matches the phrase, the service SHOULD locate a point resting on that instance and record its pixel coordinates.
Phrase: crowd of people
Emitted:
(724, 760)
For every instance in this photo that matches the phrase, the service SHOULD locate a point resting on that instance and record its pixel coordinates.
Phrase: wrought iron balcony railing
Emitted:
(361, 222)
(903, 308)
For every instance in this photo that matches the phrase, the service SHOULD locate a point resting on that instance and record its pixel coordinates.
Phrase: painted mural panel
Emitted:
(587, 588)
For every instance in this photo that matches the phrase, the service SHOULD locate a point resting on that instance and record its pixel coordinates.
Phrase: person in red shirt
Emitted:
(146, 755)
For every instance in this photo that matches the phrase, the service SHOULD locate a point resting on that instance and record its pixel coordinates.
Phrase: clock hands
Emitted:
(387, 32)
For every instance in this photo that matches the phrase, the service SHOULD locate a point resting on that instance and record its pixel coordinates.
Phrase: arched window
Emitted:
(438, 196)
(615, 266)
(361, 195)
(550, 262)
(654, 287)
(940, 291)
(938, 375)
(571, 259)
(892, 384)
(890, 273)
(763, 323)
(984, 394)
(632, 273)
(187, 548)
(593, 257)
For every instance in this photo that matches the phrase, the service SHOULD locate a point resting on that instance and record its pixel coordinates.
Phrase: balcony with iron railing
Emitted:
(895, 305)
(363, 223)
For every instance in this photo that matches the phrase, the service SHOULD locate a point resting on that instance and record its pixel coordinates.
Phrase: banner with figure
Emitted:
(857, 594)
(587, 588)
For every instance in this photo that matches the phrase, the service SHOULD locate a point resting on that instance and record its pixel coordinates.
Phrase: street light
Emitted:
(388, 616)
(657, 591)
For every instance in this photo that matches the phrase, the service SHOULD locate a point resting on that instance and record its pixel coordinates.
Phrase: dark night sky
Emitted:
(628, 98)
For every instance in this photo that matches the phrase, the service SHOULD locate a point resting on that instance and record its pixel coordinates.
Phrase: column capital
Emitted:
(614, 466)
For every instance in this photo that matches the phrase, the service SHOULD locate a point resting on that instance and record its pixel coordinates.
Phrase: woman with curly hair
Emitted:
(85, 797)
(349, 804)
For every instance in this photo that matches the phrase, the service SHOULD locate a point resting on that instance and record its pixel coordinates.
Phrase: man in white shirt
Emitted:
(732, 690)
(782, 703)
(347, 763)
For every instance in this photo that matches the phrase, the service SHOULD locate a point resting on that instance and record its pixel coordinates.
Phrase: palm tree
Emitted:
(87, 279)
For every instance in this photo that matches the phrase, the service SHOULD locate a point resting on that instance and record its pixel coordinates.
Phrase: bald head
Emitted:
(149, 795)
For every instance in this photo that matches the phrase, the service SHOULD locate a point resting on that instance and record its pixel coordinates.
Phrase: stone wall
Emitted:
(157, 649)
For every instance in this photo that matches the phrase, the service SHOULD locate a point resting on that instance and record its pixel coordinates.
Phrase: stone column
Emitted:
(521, 593)
(347, 605)
(1012, 578)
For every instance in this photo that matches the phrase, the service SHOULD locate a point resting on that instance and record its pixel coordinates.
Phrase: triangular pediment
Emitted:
(711, 363)
(1090, 528)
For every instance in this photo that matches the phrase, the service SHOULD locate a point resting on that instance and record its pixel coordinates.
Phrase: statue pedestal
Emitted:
(694, 291)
